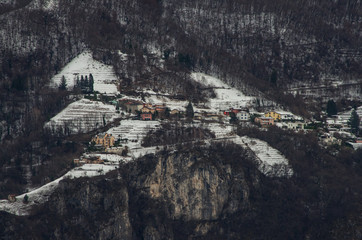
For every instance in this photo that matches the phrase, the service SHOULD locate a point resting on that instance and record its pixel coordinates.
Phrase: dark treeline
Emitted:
(325, 189)
(176, 133)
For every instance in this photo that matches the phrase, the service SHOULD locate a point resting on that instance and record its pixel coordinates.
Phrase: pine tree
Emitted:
(167, 112)
(63, 84)
(189, 111)
(26, 198)
(354, 122)
(104, 120)
(233, 118)
(331, 108)
(81, 82)
(91, 83)
(77, 83)
(86, 84)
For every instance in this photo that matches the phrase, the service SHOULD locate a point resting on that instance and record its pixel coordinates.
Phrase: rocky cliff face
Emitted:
(203, 193)
(149, 199)
(196, 189)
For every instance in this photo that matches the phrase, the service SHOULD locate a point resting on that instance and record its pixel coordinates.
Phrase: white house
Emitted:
(243, 116)
(284, 116)
(298, 125)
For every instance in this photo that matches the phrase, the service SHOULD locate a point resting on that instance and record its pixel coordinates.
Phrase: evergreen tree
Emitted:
(63, 84)
(82, 82)
(78, 81)
(104, 120)
(354, 122)
(167, 112)
(331, 108)
(189, 111)
(233, 118)
(26, 198)
(86, 84)
(91, 83)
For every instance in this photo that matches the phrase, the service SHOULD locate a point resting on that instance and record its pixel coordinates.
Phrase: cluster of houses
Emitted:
(341, 120)
(285, 120)
(146, 111)
(282, 119)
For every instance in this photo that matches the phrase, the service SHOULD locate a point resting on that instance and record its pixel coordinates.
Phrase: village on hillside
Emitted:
(118, 122)
(330, 132)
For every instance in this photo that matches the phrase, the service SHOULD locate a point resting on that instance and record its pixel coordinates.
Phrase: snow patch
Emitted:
(82, 116)
(270, 161)
(226, 96)
(133, 131)
(104, 76)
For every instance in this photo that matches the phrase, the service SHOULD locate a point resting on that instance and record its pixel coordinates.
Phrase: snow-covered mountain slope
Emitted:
(226, 96)
(82, 116)
(84, 64)
(269, 160)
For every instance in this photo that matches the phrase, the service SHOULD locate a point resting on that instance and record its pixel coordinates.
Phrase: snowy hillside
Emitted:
(226, 96)
(269, 160)
(84, 64)
(83, 116)
(133, 131)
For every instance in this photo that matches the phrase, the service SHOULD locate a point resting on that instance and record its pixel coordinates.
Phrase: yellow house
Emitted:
(106, 140)
(273, 114)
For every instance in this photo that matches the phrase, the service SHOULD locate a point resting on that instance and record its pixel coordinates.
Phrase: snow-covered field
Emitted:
(171, 103)
(226, 96)
(269, 160)
(134, 131)
(83, 116)
(41, 195)
(84, 64)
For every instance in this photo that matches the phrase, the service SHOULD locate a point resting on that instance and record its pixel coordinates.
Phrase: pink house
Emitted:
(265, 121)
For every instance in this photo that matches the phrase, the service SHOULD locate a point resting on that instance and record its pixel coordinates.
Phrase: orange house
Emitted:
(106, 140)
